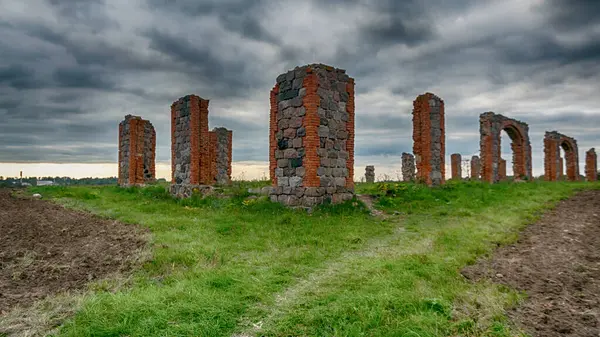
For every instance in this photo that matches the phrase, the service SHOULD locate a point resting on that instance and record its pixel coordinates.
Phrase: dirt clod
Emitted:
(557, 263)
(46, 249)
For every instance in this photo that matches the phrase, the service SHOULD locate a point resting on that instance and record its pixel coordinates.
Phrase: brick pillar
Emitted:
(591, 165)
(311, 139)
(502, 170)
(475, 168)
(553, 141)
(190, 145)
(137, 146)
(212, 155)
(551, 156)
(456, 165)
(428, 137)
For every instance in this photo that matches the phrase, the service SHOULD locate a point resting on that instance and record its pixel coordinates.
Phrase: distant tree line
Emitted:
(65, 181)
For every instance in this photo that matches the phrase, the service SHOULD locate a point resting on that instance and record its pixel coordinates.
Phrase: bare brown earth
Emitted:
(46, 249)
(557, 263)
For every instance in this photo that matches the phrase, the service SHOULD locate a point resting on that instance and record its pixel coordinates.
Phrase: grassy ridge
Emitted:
(228, 265)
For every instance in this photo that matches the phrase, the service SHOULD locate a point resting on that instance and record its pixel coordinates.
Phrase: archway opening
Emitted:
(566, 153)
(512, 152)
(505, 162)
(562, 163)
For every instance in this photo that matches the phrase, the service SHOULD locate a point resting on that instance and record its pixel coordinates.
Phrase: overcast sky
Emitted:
(71, 69)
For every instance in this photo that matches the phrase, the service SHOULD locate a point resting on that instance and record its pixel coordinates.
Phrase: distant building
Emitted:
(45, 182)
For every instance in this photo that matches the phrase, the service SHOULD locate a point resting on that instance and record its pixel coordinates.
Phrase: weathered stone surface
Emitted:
(456, 166)
(408, 167)
(370, 174)
(199, 157)
(591, 165)
(429, 139)
(315, 140)
(182, 191)
(475, 168)
(137, 151)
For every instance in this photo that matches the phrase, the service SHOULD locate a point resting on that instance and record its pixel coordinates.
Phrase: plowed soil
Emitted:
(557, 263)
(46, 249)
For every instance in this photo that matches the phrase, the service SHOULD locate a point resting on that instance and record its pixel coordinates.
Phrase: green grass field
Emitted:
(230, 266)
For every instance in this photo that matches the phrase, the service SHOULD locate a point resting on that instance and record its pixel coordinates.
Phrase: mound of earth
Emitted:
(557, 263)
(46, 249)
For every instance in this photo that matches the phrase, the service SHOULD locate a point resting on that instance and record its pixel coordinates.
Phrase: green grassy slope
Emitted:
(225, 266)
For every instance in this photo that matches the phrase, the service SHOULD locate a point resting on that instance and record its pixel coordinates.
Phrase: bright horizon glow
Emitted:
(241, 170)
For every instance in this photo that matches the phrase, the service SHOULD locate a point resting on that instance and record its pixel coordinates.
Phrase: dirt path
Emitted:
(557, 263)
(46, 249)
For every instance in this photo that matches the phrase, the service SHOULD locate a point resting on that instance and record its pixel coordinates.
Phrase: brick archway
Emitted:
(491, 126)
(553, 141)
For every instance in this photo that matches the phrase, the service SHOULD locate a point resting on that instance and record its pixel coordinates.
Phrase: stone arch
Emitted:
(553, 141)
(491, 126)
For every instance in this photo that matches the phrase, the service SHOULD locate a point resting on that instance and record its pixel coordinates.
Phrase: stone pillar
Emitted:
(591, 165)
(475, 167)
(370, 174)
(408, 167)
(198, 156)
(502, 169)
(137, 151)
(456, 163)
(220, 148)
(429, 139)
(312, 136)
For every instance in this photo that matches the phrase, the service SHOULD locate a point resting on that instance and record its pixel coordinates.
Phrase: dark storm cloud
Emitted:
(572, 14)
(72, 69)
(239, 16)
(199, 58)
(18, 76)
(80, 77)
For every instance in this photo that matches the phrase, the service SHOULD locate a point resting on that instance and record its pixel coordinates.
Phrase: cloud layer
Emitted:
(71, 70)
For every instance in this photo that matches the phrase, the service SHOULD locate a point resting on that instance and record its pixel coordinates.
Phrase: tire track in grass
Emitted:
(388, 246)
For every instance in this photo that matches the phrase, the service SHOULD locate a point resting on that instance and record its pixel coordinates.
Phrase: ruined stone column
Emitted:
(137, 151)
(502, 169)
(456, 163)
(553, 141)
(220, 148)
(429, 139)
(312, 136)
(475, 167)
(491, 126)
(408, 167)
(370, 174)
(591, 165)
(199, 158)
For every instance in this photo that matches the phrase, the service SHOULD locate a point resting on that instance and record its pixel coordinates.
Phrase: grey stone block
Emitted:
(290, 153)
(295, 181)
(282, 163)
(283, 181)
(323, 131)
